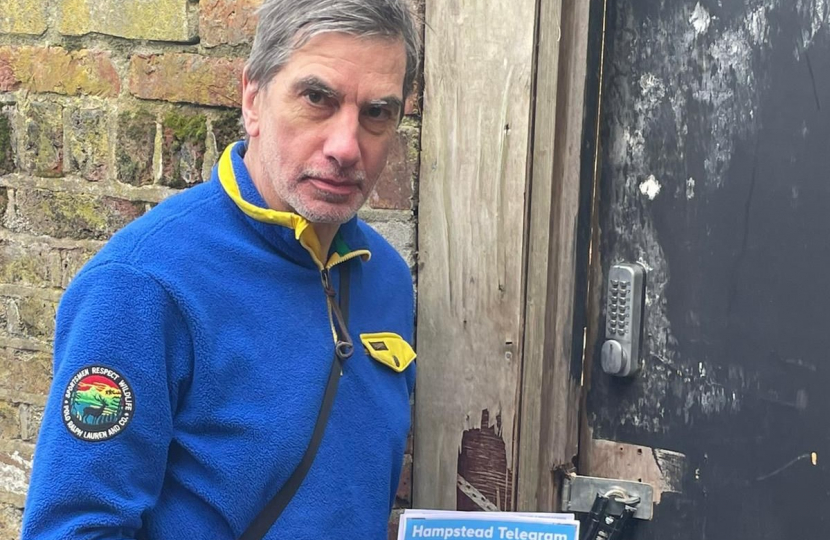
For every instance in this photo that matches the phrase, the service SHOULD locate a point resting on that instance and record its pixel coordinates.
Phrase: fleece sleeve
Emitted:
(122, 348)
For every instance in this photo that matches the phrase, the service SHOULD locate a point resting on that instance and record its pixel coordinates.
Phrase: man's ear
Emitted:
(250, 105)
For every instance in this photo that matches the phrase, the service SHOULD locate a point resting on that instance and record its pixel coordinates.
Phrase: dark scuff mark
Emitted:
(813, 79)
(733, 292)
(482, 463)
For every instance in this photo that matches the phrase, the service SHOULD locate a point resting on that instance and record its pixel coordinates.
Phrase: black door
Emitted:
(714, 174)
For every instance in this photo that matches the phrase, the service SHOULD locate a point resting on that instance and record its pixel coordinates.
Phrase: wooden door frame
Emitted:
(558, 229)
(546, 350)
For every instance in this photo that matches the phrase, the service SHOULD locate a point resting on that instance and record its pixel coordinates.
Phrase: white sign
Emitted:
(447, 525)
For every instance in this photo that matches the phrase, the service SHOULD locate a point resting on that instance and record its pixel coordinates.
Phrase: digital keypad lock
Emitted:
(623, 320)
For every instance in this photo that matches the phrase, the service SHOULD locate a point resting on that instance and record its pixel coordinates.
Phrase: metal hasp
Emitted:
(623, 320)
(609, 519)
(579, 494)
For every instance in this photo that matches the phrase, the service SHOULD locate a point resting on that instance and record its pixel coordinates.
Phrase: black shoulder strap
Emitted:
(260, 526)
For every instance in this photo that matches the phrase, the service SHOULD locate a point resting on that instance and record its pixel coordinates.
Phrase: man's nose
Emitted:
(342, 143)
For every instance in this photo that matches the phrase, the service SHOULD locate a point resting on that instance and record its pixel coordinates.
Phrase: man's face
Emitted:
(321, 129)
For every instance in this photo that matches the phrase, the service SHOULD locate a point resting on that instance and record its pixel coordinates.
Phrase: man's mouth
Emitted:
(334, 186)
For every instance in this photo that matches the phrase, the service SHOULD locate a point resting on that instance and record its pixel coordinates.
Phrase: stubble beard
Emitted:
(287, 187)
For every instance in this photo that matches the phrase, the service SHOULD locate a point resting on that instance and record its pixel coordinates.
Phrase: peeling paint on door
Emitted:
(485, 480)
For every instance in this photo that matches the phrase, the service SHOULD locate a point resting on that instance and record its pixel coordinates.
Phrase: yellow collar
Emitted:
(303, 230)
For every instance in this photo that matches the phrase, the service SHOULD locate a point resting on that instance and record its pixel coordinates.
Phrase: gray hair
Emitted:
(286, 25)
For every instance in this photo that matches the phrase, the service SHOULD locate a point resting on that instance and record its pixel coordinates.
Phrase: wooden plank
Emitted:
(475, 144)
(537, 300)
(662, 469)
(551, 387)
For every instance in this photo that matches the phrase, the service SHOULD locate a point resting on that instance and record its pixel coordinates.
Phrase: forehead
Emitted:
(343, 60)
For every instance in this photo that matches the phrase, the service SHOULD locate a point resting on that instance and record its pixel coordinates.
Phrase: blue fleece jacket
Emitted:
(191, 356)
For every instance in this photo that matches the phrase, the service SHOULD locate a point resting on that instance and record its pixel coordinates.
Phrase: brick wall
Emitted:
(106, 108)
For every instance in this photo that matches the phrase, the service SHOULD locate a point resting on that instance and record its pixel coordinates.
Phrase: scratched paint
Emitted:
(690, 188)
(482, 464)
(700, 19)
(650, 188)
(816, 14)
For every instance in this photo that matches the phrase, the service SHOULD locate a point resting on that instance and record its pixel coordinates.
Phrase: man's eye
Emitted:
(378, 113)
(315, 98)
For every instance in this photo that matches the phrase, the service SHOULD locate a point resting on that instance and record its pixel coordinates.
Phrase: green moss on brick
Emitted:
(9, 421)
(37, 317)
(135, 146)
(186, 128)
(6, 149)
(163, 20)
(43, 142)
(79, 212)
(71, 215)
(23, 270)
(227, 128)
(183, 148)
(87, 143)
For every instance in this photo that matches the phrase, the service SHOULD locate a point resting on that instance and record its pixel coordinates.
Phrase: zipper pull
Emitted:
(344, 346)
(326, 278)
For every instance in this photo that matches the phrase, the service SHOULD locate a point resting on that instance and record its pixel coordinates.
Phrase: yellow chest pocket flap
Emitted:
(389, 349)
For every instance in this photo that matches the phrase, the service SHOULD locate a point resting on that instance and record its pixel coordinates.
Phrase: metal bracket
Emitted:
(580, 492)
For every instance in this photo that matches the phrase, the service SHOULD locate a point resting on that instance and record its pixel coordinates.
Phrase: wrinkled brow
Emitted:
(317, 85)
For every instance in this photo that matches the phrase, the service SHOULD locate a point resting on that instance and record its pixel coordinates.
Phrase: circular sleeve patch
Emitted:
(97, 404)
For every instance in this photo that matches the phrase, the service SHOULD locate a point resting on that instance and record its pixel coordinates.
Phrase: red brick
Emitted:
(53, 69)
(404, 494)
(227, 22)
(187, 78)
(394, 188)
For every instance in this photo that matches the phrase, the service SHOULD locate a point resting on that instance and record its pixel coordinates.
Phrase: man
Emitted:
(192, 353)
